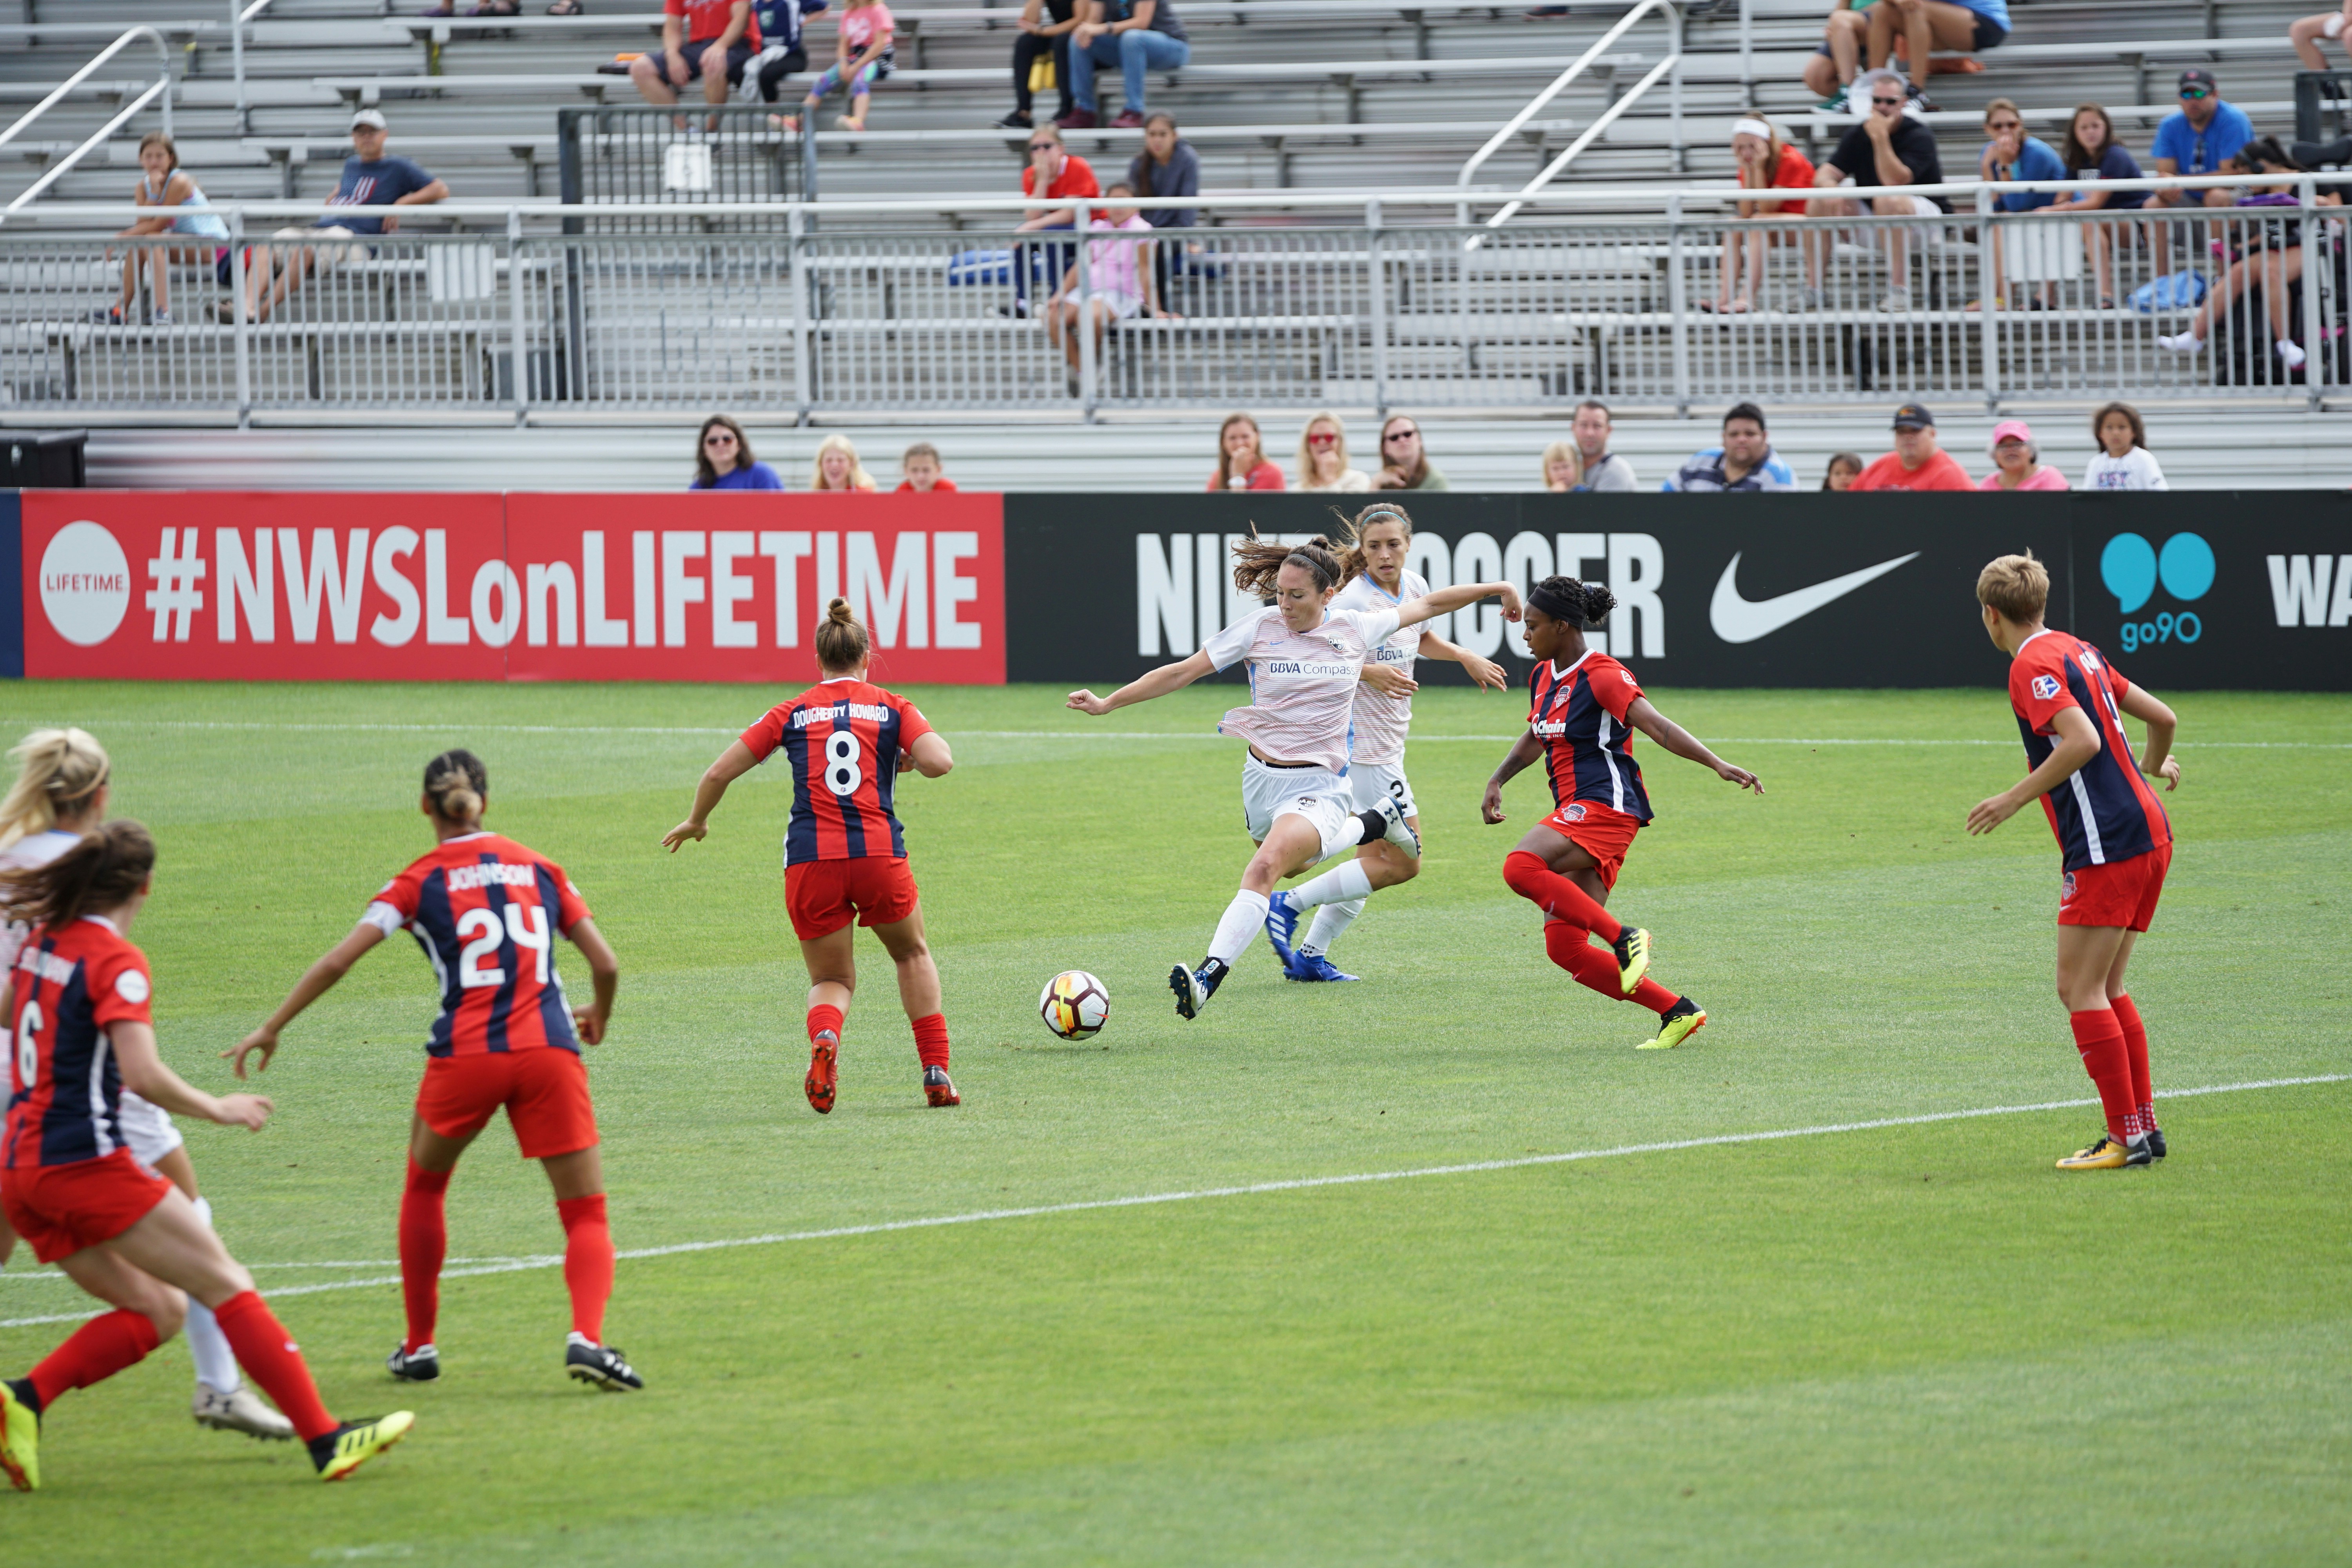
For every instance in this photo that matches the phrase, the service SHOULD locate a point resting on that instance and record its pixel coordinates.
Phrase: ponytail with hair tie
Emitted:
(842, 644)
(458, 785)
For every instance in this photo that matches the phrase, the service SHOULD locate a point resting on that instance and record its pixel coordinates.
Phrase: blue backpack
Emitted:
(2173, 291)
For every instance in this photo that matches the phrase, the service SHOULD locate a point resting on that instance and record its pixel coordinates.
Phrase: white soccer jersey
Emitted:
(1381, 723)
(1302, 684)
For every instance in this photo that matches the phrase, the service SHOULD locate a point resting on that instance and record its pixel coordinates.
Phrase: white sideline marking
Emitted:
(1298, 1184)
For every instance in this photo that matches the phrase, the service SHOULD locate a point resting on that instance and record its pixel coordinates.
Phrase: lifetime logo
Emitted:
(85, 583)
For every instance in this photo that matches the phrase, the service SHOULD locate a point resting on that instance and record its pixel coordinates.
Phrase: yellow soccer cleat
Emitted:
(20, 1441)
(1633, 950)
(2107, 1154)
(1680, 1022)
(347, 1447)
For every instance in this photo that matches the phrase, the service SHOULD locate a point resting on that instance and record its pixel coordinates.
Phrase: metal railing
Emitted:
(163, 89)
(240, 12)
(1697, 306)
(643, 165)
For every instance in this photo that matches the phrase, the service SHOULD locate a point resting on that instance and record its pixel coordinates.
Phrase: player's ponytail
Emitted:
(458, 785)
(58, 773)
(104, 871)
(1579, 605)
(1258, 562)
(841, 643)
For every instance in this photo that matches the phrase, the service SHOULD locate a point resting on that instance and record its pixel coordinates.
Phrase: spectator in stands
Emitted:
(2305, 35)
(2011, 154)
(1603, 469)
(2017, 461)
(2268, 253)
(722, 460)
(1042, 47)
(783, 33)
(1166, 167)
(1120, 285)
(1837, 59)
(1844, 470)
(1241, 464)
(1969, 28)
(1889, 149)
(924, 475)
(1136, 36)
(2199, 138)
(1054, 172)
(1323, 459)
(1404, 465)
(836, 467)
(370, 180)
(711, 39)
(864, 55)
(163, 183)
(1917, 463)
(1744, 463)
(1766, 162)
(2123, 463)
(1563, 471)
(2092, 152)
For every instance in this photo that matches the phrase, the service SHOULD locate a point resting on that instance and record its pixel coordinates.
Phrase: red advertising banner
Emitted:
(272, 585)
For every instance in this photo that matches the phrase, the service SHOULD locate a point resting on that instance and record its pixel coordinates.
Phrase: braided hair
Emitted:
(1579, 605)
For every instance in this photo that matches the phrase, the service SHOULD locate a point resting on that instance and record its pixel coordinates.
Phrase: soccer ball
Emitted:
(1075, 1005)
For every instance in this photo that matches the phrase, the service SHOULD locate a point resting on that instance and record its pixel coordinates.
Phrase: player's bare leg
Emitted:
(1291, 845)
(918, 993)
(1382, 865)
(832, 961)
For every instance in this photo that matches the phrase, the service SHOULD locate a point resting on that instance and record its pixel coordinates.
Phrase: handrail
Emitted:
(66, 162)
(1559, 84)
(162, 52)
(237, 20)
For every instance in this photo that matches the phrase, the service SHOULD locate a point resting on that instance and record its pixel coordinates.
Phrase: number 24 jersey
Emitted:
(843, 738)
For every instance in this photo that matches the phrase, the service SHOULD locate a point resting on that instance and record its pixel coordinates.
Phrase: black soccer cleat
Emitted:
(2156, 1141)
(1194, 987)
(420, 1366)
(602, 1365)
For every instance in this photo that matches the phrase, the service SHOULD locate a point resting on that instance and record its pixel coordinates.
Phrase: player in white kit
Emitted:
(61, 795)
(1304, 661)
(1382, 715)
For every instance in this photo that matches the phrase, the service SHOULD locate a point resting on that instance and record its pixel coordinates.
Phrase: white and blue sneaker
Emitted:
(1401, 831)
(1281, 926)
(1193, 988)
(1315, 967)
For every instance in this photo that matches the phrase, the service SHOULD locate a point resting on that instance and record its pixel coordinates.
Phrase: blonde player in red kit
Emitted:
(848, 741)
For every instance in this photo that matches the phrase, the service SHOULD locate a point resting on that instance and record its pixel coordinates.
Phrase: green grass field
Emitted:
(1914, 1345)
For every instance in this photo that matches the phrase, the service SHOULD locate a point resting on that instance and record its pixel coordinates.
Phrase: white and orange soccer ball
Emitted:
(1075, 1005)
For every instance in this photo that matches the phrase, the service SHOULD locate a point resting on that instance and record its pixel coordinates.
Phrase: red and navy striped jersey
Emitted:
(65, 1087)
(843, 738)
(1579, 715)
(2106, 811)
(486, 911)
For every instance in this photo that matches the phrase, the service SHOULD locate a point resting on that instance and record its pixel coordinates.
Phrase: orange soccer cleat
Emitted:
(819, 1085)
(939, 1088)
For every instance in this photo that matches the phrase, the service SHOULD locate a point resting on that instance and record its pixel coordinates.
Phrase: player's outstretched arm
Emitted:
(145, 1075)
(1446, 601)
(604, 973)
(316, 981)
(733, 763)
(2078, 742)
(2156, 760)
(1168, 677)
(1483, 671)
(1673, 738)
(1524, 750)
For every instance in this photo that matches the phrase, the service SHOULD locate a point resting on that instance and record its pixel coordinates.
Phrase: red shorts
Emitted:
(544, 1090)
(822, 896)
(59, 1210)
(1601, 831)
(2119, 893)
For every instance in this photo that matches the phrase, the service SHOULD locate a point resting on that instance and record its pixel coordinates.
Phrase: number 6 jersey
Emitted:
(486, 911)
(843, 738)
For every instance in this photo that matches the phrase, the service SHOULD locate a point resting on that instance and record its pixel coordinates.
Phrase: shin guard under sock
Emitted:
(823, 1019)
(587, 1262)
(1528, 876)
(423, 1243)
(95, 1351)
(931, 1040)
(2136, 1048)
(274, 1361)
(2099, 1038)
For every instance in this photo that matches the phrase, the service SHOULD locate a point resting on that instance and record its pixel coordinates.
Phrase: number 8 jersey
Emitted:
(486, 911)
(843, 738)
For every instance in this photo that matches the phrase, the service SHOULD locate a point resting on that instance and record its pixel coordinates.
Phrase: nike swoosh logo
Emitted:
(1738, 620)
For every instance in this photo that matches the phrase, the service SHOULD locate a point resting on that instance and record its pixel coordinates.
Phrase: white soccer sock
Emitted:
(1330, 920)
(1244, 918)
(1333, 887)
(216, 1362)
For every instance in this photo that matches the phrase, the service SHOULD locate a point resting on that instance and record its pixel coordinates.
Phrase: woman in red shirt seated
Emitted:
(1241, 459)
(1766, 162)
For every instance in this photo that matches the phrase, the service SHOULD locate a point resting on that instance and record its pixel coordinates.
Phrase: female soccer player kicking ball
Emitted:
(1304, 658)
(61, 794)
(1585, 708)
(844, 854)
(1376, 733)
(84, 1032)
(487, 911)
(2115, 841)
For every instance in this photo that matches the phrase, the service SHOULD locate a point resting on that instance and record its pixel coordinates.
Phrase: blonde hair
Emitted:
(103, 871)
(2018, 586)
(841, 643)
(1309, 476)
(57, 771)
(1552, 454)
(859, 479)
(458, 785)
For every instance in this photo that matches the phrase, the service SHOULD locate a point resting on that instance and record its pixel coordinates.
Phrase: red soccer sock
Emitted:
(1569, 947)
(274, 1361)
(821, 1018)
(2136, 1047)
(2099, 1036)
(587, 1262)
(1528, 876)
(96, 1351)
(423, 1243)
(931, 1040)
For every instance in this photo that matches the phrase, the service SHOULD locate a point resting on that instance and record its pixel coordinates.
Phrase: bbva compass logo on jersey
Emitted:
(85, 583)
(2132, 568)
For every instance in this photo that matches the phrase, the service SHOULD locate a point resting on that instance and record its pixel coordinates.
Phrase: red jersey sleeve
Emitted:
(912, 725)
(400, 895)
(764, 737)
(119, 988)
(2038, 691)
(574, 904)
(1614, 687)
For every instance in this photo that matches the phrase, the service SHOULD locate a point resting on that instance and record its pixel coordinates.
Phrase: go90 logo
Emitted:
(2132, 568)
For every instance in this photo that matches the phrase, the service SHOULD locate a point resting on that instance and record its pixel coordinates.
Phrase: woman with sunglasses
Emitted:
(722, 460)
(1323, 459)
(1404, 465)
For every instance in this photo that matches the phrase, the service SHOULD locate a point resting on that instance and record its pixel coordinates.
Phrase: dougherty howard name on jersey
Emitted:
(1303, 666)
(808, 716)
(47, 965)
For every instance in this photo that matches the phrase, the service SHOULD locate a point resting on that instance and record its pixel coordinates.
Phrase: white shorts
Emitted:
(1319, 794)
(149, 1129)
(1374, 782)
(1122, 306)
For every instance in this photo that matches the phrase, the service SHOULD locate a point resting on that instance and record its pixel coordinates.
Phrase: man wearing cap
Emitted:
(1889, 149)
(1744, 464)
(370, 180)
(2199, 138)
(1917, 463)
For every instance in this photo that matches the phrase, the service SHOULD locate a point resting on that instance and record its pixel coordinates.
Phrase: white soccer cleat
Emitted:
(240, 1412)
(1399, 832)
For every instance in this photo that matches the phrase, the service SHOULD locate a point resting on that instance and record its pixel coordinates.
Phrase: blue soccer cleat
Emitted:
(1316, 967)
(1281, 926)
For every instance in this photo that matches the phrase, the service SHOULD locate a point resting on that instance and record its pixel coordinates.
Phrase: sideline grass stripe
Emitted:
(1293, 1184)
